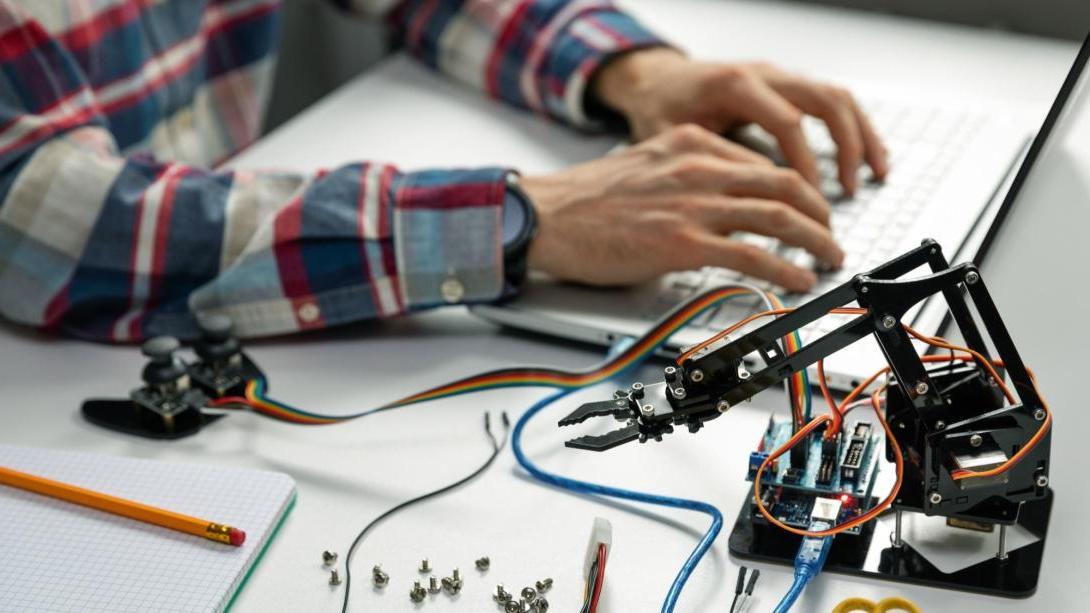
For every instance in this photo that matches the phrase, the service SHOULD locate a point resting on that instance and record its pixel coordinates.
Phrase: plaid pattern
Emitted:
(112, 111)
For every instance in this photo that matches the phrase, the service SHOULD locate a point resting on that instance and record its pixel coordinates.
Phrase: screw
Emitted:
(722, 406)
(888, 322)
(935, 498)
(544, 585)
(512, 606)
(976, 440)
(329, 558)
(697, 375)
(1039, 414)
(501, 595)
(334, 577)
(679, 392)
(380, 579)
(540, 605)
(418, 593)
(865, 289)
(922, 388)
(528, 594)
(433, 585)
(456, 575)
(1042, 480)
(637, 390)
(972, 277)
(670, 373)
(647, 410)
(483, 563)
(425, 566)
(448, 584)
(940, 425)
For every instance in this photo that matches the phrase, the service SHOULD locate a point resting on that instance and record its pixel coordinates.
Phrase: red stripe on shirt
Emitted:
(419, 24)
(447, 196)
(57, 308)
(292, 269)
(163, 79)
(500, 48)
(50, 128)
(389, 257)
(385, 180)
(94, 29)
(21, 39)
(161, 240)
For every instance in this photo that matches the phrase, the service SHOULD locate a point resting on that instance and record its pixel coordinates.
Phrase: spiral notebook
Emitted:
(58, 556)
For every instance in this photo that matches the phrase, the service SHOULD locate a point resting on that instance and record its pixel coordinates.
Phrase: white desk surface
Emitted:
(349, 473)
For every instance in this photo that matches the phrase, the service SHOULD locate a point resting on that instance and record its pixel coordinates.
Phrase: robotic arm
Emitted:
(947, 419)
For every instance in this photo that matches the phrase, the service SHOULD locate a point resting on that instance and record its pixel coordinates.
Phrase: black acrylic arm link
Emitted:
(715, 378)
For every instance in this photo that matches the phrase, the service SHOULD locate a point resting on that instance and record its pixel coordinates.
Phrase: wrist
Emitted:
(622, 85)
(542, 195)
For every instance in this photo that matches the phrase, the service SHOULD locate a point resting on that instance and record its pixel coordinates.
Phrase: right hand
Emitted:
(672, 203)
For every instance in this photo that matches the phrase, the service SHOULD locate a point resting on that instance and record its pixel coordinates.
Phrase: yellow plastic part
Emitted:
(851, 605)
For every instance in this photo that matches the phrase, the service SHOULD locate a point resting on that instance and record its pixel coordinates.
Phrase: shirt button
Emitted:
(452, 290)
(309, 312)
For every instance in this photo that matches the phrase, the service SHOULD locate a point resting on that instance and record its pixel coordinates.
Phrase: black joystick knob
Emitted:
(217, 344)
(165, 367)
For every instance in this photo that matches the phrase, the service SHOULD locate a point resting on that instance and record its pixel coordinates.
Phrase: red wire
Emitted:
(230, 400)
(600, 579)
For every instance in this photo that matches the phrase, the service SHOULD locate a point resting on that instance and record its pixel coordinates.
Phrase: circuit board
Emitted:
(844, 468)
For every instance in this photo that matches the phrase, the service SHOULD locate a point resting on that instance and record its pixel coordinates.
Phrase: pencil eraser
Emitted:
(237, 536)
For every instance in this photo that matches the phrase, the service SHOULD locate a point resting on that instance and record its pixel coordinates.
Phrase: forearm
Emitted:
(114, 249)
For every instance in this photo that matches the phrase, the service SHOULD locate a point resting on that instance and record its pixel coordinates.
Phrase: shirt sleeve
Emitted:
(534, 54)
(118, 248)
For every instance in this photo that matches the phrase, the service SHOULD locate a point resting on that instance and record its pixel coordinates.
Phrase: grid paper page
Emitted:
(58, 556)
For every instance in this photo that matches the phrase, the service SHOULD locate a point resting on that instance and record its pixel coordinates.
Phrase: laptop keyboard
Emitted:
(923, 142)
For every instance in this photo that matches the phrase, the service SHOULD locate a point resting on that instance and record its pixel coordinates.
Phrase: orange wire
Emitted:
(869, 515)
(838, 311)
(898, 459)
(833, 430)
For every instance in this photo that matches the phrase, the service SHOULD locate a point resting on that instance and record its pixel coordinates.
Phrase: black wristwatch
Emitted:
(519, 229)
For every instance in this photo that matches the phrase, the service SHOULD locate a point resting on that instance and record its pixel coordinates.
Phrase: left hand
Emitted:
(656, 89)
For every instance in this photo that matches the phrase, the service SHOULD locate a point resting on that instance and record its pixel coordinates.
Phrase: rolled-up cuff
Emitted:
(448, 236)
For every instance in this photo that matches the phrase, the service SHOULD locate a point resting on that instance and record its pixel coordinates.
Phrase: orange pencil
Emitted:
(119, 506)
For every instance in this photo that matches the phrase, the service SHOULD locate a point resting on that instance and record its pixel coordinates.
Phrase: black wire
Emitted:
(740, 585)
(496, 447)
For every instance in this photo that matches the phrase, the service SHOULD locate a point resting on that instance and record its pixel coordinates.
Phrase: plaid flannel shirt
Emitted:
(112, 112)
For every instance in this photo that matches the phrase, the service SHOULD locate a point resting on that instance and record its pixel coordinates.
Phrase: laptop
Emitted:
(951, 178)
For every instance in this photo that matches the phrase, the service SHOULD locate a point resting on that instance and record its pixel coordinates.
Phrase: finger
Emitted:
(693, 138)
(781, 184)
(775, 219)
(765, 107)
(834, 107)
(695, 172)
(874, 149)
(755, 262)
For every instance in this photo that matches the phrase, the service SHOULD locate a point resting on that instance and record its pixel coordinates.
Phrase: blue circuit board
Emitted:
(845, 469)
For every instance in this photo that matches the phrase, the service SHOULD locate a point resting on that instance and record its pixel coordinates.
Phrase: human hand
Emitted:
(656, 89)
(670, 203)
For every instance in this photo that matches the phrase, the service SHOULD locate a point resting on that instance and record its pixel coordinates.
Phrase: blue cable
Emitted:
(584, 487)
(808, 563)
